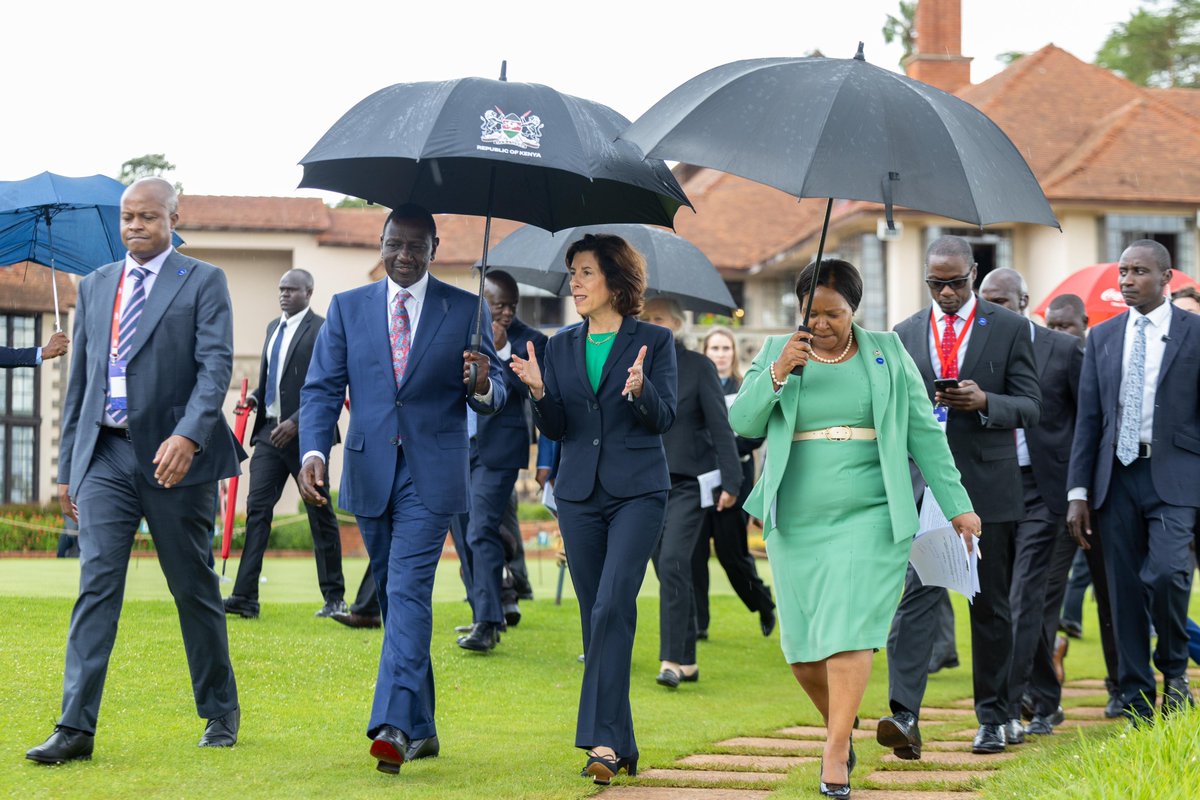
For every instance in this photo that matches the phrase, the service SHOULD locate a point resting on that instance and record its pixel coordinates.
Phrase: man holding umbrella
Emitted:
(401, 347)
(33, 356)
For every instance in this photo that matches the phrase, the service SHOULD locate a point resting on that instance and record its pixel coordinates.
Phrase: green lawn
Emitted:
(506, 720)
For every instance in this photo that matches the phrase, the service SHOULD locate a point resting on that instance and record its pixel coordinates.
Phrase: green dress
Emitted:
(838, 573)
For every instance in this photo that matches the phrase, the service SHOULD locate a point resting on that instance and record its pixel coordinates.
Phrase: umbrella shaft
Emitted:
(812, 290)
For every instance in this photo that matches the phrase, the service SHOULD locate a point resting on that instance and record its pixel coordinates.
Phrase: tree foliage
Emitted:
(901, 28)
(150, 165)
(1159, 47)
(351, 202)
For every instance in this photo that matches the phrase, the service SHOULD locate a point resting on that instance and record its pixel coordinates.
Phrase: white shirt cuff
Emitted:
(1078, 493)
(38, 361)
(486, 399)
(311, 453)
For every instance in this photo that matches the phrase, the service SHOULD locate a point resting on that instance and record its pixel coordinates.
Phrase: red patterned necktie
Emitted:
(400, 335)
(949, 356)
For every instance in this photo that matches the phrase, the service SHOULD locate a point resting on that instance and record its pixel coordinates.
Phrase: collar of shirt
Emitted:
(962, 314)
(294, 319)
(153, 266)
(414, 304)
(1159, 321)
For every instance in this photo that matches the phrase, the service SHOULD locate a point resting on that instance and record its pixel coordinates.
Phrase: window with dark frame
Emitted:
(20, 414)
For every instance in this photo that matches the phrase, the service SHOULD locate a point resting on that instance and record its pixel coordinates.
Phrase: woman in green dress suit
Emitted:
(836, 495)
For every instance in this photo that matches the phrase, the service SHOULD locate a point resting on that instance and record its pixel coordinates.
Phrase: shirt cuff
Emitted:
(486, 399)
(1078, 493)
(37, 361)
(310, 453)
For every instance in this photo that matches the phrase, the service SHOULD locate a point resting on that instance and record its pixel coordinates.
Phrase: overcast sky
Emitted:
(235, 93)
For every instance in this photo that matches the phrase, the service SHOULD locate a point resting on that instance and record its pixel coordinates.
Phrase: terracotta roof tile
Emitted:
(217, 212)
(26, 287)
(1184, 100)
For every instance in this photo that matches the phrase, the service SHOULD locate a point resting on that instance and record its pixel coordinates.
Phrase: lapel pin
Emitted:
(983, 321)
(879, 360)
(182, 271)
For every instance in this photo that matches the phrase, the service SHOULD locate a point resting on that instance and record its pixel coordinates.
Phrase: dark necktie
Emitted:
(273, 363)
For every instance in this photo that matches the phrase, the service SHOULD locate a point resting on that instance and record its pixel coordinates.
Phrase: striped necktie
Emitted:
(129, 321)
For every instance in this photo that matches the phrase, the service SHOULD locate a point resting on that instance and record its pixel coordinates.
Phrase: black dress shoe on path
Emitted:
(242, 608)
(1176, 695)
(483, 637)
(1014, 732)
(766, 621)
(390, 748)
(668, 678)
(352, 620)
(65, 744)
(989, 739)
(901, 733)
(332, 607)
(1039, 726)
(423, 748)
(512, 615)
(223, 730)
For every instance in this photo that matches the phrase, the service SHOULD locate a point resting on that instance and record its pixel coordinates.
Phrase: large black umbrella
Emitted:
(832, 127)
(675, 267)
(521, 151)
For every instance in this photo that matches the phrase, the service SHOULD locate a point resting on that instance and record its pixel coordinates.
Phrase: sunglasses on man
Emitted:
(954, 283)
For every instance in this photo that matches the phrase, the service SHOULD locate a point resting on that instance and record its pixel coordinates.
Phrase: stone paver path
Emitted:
(747, 767)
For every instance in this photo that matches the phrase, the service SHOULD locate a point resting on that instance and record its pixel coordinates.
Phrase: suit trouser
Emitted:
(491, 490)
(673, 565)
(727, 529)
(1081, 579)
(112, 499)
(1148, 560)
(910, 642)
(404, 545)
(1037, 534)
(609, 541)
(270, 468)
(945, 640)
(366, 602)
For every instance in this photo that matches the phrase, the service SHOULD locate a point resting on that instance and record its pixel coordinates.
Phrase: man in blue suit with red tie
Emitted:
(1136, 460)
(401, 348)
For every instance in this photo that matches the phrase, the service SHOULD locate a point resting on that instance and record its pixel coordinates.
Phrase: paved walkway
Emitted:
(746, 768)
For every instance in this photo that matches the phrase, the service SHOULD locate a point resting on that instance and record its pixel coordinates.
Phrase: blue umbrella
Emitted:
(72, 224)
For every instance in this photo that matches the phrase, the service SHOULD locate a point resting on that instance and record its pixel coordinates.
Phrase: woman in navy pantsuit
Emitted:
(607, 392)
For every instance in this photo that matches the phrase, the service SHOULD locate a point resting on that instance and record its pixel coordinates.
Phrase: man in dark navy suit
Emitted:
(1136, 460)
(499, 450)
(33, 356)
(401, 347)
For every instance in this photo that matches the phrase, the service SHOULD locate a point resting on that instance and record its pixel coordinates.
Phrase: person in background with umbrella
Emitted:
(401, 347)
(727, 528)
(835, 495)
(607, 392)
(33, 356)
(699, 442)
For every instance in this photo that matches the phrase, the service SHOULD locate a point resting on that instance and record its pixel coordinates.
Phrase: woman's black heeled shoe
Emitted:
(850, 762)
(602, 769)
(839, 790)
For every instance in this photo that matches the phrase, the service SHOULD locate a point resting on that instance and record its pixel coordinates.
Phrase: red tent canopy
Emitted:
(1098, 288)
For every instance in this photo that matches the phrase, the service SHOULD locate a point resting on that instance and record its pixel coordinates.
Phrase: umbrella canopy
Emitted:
(675, 267)
(521, 151)
(1098, 287)
(830, 127)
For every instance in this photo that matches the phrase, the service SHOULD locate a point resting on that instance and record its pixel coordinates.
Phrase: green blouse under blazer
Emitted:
(904, 425)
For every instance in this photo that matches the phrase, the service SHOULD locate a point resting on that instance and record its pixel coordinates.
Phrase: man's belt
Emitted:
(836, 433)
(115, 431)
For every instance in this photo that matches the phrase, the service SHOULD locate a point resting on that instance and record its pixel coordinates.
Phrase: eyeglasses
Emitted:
(953, 283)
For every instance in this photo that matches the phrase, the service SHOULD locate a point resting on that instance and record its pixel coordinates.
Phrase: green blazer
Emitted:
(904, 425)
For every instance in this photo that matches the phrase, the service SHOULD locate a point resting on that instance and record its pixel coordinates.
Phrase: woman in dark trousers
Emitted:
(607, 392)
(727, 527)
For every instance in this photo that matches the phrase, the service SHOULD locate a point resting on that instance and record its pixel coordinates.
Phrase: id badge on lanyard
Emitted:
(117, 396)
(941, 413)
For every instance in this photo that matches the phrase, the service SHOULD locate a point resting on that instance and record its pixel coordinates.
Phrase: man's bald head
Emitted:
(1005, 287)
(163, 190)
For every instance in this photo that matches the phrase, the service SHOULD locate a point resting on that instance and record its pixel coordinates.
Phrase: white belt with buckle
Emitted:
(837, 433)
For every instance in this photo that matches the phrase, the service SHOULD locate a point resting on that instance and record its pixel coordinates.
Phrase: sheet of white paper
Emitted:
(548, 498)
(939, 557)
(931, 517)
(709, 483)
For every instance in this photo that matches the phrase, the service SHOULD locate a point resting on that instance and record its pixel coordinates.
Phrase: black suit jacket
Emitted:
(503, 438)
(701, 439)
(999, 357)
(1059, 361)
(291, 372)
(18, 357)
(605, 437)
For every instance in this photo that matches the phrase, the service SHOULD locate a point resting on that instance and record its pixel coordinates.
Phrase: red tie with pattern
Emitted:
(949, 356)
(400, 335)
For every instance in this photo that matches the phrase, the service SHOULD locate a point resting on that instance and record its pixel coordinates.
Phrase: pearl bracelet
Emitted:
(778, 384)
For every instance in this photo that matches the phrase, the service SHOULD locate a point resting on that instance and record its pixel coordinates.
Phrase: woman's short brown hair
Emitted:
(623, 267)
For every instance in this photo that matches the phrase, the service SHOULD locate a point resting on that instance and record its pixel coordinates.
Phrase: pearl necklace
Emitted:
(849, 344)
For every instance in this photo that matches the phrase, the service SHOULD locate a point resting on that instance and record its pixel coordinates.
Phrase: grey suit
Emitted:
(999, 358)
(179, 368)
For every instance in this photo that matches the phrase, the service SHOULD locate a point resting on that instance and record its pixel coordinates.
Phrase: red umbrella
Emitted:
(242, 412)
(1097, 286)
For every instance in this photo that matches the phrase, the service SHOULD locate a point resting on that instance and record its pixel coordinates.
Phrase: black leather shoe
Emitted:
(1071, 628)
(1176, 695)
(766, 621)
(483, 637)
(1039, 726)
(702, 635)
(693, 678)
(423, 748)
(668, 678)
(352, 620)
(1014, 732)
(239, 607)
(602, 769)
(1028, 710)
(840, 790)
(223, 730)
(946, 662)
(989, 739)
(1057, 717)
(333, 607)
(389, 748)
(901, 733)
(65, 744)
(1114, 708)
(512, 615)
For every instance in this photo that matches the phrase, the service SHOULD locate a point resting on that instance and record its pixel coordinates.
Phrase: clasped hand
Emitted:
(968, 526)
(967, 397)
(794, 354)
(481, 376)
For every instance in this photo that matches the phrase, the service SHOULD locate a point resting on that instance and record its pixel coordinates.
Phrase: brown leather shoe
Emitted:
(1061, 645)
(352, 620)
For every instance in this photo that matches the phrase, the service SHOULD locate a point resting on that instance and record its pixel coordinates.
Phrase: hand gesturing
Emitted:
(637, 378)
(529, 372)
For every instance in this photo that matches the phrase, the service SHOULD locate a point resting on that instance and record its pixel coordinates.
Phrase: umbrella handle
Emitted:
(812, 291)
